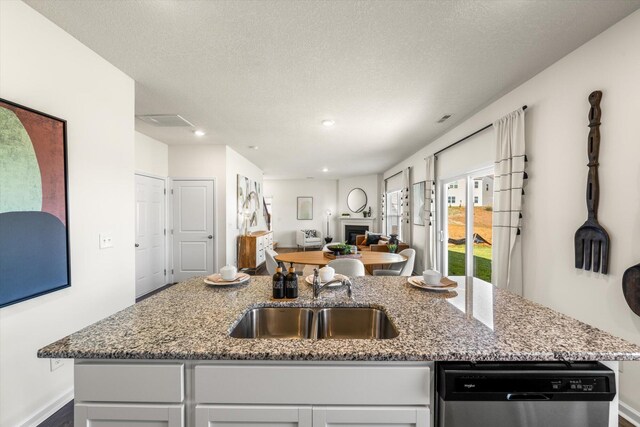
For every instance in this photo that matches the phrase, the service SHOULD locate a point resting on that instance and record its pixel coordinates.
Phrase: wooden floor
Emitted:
(62, 418)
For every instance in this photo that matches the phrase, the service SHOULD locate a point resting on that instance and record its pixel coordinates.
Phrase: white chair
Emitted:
(305, 242)
(348, 267)
(401, 268)
(272, 264)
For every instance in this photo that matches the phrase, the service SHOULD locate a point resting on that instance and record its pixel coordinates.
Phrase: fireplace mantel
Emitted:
(344, 221)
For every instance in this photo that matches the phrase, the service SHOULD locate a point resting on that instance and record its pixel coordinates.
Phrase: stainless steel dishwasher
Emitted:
(524, 394)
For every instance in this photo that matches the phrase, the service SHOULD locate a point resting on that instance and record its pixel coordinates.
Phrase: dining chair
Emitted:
(347, 267)
(402, 268)
(272, 264)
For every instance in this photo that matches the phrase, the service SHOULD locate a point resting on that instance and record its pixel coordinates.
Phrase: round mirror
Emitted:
(357, 200)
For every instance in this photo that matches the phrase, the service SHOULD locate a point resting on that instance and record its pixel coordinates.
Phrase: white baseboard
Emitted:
(629, 414)
(48, 410)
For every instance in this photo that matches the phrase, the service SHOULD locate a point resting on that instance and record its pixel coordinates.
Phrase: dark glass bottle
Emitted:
(278, 284)
(291, 284)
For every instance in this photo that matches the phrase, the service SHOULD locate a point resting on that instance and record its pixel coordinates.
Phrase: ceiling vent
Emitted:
(443, 118)
(165, 120)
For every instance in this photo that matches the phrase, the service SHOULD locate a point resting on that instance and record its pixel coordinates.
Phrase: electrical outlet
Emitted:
(106, 240)
(55, 364)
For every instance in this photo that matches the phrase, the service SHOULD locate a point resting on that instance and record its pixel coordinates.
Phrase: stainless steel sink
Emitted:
(354, 323)
(275, 322)
(315, 323)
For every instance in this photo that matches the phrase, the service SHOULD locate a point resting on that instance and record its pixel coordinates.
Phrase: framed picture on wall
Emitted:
(305, 208)
(34, 236)
(418, 199)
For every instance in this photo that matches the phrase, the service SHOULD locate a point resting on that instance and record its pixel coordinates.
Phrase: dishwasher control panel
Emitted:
(491, 384)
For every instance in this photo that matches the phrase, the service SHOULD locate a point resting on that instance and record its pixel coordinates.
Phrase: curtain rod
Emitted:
(524, 107)
(397, 173)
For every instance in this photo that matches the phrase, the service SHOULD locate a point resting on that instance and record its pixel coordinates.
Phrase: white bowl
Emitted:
(326, 274)
(431, 277)
(228, 272)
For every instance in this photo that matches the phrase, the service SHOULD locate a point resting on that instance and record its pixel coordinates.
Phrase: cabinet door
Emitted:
(252, 415)
(371, 416)
(123, 415)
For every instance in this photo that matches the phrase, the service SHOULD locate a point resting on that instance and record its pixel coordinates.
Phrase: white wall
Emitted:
(45, 68)
(369, 183)
(554, 202)
(151, 155)
(237, 164)
(284, 207)
(223, 164)
(205, 161)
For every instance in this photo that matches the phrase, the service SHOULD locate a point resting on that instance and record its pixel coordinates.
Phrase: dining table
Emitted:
(319, 258)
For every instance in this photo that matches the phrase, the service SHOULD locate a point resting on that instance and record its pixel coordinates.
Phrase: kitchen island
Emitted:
(171, 358)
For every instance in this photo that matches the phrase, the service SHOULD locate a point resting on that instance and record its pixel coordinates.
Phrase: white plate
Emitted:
(217, 280)
(309, 279)
(418, 282)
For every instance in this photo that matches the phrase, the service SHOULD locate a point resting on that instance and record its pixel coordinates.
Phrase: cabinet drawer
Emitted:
(313, 385)
(129, 383)
(119, 415)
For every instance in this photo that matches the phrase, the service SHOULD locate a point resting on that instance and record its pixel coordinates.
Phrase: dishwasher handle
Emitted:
(527, 396)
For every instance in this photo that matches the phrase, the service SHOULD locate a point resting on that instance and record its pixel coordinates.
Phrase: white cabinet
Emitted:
(307, 416)
(340, 416)
(249, 416)
(252, 394)
(127, 415)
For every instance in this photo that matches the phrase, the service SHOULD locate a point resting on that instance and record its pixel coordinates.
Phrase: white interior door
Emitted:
(150, 234)
(193, 238)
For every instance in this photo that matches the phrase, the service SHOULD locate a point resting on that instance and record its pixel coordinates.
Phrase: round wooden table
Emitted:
(318, 258)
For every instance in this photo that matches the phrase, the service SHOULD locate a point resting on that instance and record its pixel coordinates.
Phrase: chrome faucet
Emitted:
(318, 288)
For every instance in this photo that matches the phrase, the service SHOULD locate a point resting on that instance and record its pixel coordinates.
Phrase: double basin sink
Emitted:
(315, 323)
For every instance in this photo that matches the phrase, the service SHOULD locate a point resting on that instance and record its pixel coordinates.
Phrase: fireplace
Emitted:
(351, 231)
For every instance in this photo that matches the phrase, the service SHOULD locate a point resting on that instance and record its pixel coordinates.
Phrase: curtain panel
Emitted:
(508, 195)
(406, 206)
(429, 215)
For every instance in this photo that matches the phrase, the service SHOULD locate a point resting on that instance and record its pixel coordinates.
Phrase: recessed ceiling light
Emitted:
(328, 123)
(253, 147)
(199, 132)
(325, 169)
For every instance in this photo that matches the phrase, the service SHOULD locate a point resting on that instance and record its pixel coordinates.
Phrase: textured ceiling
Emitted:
(266, 73)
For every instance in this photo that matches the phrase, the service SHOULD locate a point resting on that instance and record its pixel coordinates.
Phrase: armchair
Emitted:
(308, 239)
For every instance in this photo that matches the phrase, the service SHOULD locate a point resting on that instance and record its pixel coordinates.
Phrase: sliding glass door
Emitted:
(466, 231)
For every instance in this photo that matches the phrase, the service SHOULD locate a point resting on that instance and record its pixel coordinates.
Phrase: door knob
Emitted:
(137, 245)
(209, 236)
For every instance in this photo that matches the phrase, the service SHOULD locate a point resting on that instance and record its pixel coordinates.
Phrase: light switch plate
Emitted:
(106, 240)
(55, 364)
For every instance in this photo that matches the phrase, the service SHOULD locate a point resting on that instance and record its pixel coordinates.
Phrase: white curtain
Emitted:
(430, 215)
(508, 192)
(383, 209)
(405, 219)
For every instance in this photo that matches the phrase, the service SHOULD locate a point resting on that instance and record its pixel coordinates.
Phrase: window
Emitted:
(466, 246)
(394, 212)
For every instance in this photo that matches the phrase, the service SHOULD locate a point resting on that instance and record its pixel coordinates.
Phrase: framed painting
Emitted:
(418, 198)
(305, 208)
(34, 225)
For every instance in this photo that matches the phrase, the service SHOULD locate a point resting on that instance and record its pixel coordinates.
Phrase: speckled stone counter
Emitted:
(476, 322)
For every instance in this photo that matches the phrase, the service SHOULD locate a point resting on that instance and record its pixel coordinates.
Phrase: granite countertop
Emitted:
(476, 322)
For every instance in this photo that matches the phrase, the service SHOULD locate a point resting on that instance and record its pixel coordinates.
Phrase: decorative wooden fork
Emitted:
(592, 240)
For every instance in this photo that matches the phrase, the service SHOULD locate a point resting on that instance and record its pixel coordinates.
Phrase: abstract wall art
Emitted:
(253, 205)
(34, 238)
